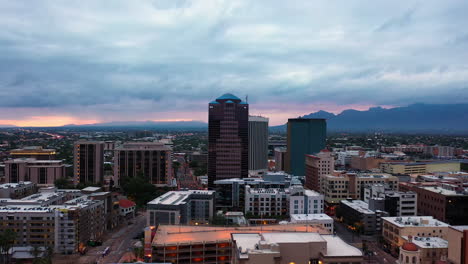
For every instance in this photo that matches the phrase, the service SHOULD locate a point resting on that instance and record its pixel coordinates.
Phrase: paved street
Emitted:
(120, 242)
(379, 256)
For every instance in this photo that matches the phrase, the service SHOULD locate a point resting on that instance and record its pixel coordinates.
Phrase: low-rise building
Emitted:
(127, 208)
(419, 167)
(314, 219)
(446, 202)
(17, 190)
(266, 202)
(381, 197)
(351, 185)
(423, 250)
(395, 228)
(303, 201)
(190, 207)
(357, 214)
(287, 248)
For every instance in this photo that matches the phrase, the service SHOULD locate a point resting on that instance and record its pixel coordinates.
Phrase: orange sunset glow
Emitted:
(48, 121)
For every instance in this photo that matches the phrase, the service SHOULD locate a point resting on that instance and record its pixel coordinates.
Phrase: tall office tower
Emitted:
(228, 138)
(258, 143)
(88, 162)
(151, 159)
(305, 136)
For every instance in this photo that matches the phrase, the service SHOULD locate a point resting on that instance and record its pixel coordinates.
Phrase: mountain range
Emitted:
(437, 118)
(417, 118)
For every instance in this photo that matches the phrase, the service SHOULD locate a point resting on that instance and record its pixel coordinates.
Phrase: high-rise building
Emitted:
(280, 158)
(305, 136)
(40, 172)
(151, 159)
(258, 143)
(317, 166)
(228, 138)
(89, 162)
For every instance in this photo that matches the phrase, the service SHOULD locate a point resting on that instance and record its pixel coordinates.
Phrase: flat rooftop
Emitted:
(444, 191)
(412, 221)
(336, 247)
(310, 217)
(15, 185)
(178, 197)
(170, 234)
(428, 242)
(358, 205)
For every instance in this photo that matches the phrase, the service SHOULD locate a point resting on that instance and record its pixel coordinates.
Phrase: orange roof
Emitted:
(126, 203)
(409, 246)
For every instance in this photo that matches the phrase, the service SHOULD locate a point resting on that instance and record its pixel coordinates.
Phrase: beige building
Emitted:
(316, 166)
(351, 185)
(419, 167)
(152, 159)
(40, 172)
(458, 240)
(88, 162)
(287, 248)
(426, 250)
(395, 229)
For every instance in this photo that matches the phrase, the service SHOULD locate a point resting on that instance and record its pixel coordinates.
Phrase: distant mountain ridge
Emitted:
(441, 118)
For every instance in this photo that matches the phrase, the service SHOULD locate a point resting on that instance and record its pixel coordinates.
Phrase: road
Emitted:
(120, 241)
(379, 256)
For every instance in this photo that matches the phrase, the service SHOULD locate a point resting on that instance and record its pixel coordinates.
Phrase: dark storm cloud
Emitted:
(123, 58)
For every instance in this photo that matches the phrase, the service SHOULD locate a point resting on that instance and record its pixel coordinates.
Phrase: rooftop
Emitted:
(423, 221)
(177, 197)
(310, 217)
(423, 162)
(15, 185)
(228, 96)
(358, 205)
(428, 242)
(444, 191)
(170, 234)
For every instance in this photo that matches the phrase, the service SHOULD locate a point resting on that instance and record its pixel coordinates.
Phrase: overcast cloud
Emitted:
(92, 61)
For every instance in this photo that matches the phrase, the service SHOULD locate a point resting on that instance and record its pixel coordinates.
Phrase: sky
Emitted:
(87, 61)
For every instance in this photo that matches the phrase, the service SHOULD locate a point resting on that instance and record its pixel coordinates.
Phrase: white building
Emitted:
(303, 201)
(320, 219)
(382, 197)
(344, 157)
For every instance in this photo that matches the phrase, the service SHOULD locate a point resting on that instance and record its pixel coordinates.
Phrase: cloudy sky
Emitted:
(92, 61)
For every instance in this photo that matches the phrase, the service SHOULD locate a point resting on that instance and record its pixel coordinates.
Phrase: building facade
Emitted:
(446, 202)
(317, 166)
(17, 190)
(395, 229)
(228, 138)
(258, 143)
(191, 207)
(34, 152)
(88, 162)
(305, 136)
(303, 201)
(351, 185)
(41, 172)
(152, 160)
(280, 158)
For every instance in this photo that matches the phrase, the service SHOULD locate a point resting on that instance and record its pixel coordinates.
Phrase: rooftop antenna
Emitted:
(246, 98)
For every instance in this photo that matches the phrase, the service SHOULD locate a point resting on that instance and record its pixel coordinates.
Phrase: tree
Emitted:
(63, 183)
(140, 190)
(7, 239)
